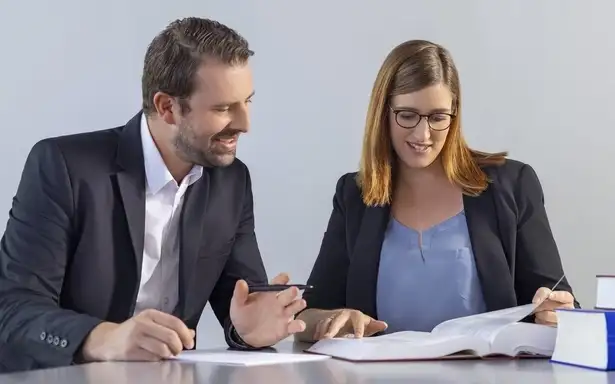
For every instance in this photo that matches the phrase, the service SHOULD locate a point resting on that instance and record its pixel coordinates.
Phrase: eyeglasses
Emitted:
(438, 121)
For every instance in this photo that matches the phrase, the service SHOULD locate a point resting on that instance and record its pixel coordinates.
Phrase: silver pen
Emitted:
(552, 289)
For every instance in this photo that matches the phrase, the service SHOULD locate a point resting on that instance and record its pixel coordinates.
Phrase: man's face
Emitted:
(207, 133)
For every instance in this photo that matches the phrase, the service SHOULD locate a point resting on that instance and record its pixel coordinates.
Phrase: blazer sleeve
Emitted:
(245, 263)
(34, 253)
(330, 270)
(538, 260)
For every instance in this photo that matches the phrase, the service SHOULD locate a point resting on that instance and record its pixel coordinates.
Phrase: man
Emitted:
(117, 239)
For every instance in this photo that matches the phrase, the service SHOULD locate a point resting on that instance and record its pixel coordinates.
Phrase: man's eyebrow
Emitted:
(412, 109)
(226, 104)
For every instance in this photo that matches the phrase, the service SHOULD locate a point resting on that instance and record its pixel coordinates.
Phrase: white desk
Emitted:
(322, 372)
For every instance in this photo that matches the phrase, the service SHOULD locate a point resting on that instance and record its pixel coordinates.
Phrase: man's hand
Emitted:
(550, 300)
(262, 319)
(150, 336)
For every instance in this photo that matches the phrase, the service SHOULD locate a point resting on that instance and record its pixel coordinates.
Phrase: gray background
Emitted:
(537, 80)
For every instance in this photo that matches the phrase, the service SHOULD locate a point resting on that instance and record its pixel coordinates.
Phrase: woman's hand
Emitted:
(550, 300)
(347, 323)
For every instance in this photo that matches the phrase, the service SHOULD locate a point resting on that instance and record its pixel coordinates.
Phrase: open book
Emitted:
(486, 334)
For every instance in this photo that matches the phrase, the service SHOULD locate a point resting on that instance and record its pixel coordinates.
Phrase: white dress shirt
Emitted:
(159, 285)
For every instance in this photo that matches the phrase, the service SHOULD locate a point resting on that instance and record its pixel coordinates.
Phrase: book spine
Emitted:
(610, 339)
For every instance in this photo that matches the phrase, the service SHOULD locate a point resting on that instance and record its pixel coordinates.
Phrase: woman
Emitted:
(429, 229)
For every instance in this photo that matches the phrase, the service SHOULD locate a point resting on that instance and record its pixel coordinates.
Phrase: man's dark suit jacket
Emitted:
(72, 251)
(511, 238)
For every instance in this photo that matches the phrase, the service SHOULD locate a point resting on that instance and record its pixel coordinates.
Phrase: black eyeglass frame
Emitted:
(421, 116)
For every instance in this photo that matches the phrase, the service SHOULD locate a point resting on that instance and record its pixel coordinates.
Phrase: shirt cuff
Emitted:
(235, 341)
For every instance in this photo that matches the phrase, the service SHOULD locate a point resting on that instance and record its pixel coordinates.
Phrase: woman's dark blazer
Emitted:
(513, 245)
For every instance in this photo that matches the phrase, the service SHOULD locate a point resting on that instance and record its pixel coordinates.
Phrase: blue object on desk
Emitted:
(585, 338)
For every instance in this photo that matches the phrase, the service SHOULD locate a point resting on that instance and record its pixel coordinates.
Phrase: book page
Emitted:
(406, 345)
(405, 336)
(525, 338)
(484, 325)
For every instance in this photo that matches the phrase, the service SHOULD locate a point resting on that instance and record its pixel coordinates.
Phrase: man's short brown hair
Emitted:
(174, 56)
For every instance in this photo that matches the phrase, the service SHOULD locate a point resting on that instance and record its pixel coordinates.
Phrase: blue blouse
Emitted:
(428, 277)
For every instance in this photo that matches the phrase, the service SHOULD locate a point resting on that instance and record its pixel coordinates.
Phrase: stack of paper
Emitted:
(246, 358)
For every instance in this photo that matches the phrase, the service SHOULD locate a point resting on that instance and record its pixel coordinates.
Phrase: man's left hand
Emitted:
(262, 319)
(545, 313)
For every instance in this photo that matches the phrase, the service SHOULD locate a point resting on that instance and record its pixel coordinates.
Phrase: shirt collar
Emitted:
(156, 171)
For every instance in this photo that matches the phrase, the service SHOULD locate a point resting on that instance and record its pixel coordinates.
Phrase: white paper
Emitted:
(247, 358)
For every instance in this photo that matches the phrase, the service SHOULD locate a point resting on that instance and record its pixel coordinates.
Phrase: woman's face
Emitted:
(419, 123)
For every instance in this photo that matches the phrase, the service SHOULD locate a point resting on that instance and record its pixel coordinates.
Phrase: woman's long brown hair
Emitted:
(410, 67)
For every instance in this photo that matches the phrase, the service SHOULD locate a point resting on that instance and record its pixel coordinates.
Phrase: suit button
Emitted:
(63, 343)
(43, 336)
(56, 340)
(49, 339)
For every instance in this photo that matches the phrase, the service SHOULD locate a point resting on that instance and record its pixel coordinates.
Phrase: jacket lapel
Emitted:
(365, 260)
(491, 264)
(131, 183)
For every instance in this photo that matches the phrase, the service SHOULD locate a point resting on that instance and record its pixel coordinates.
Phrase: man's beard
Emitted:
(188, 149)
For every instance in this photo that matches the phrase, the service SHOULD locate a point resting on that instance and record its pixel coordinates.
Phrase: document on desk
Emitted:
(497, 333)
(246, 358)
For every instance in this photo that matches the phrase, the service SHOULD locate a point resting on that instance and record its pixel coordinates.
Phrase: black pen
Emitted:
(276, 287)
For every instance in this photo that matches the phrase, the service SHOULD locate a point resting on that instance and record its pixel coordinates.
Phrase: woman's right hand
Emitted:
(347, 323)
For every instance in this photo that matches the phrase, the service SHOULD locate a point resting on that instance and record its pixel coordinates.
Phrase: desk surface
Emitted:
(321, 372)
